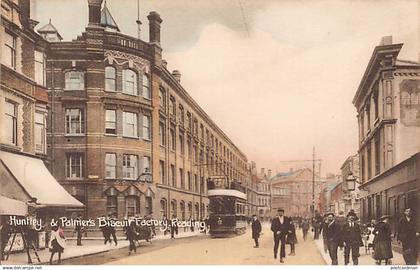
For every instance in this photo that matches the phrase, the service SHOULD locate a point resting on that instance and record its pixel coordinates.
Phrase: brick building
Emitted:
(23, 113)
(126, 137)
(351, 197)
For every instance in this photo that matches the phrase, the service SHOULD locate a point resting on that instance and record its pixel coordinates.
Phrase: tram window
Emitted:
(222, 205)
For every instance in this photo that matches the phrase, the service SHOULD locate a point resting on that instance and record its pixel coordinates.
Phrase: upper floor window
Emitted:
(11, 122)
(162, 171)
(110, 165)
(181, 113)
(129, 82)
(146, 86)
(74, 121)
(130, 124)
(173, 142)
(172, 105)
(110, 78)
(146, 127)
(40, 132)
(74, 80)
(162, 134)
(161, 98)
(110, 122)
(39, 67)
(74, 166)
(9, 50)
(146, 164)
(130, 167)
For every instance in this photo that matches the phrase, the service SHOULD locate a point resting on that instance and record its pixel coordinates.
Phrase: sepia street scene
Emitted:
(210, 132)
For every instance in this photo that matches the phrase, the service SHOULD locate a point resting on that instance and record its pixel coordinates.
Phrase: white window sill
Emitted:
(74, 135)
(73, 89)
(111, 135)
(147, 139)
(130, 94)
(130, 137)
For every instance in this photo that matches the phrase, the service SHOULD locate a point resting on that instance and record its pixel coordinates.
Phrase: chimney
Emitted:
(269, 174)
(94, 12)
(177, 75)
(165, 63)
(262, 171)
(387, 40)
(154, 27)
(25, 11)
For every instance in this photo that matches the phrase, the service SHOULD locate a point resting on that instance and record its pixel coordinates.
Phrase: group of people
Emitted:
(346, 232)
(284, 231)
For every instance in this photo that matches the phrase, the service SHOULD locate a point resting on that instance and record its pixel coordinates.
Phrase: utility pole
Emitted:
(313, 182)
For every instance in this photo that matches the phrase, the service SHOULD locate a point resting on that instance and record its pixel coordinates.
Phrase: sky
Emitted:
(278, 77)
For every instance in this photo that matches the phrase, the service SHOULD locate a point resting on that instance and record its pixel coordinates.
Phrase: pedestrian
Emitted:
(5, 233)
(174, 226)
(79, 229)
(292, 239)
(324, 234)
(280, 227)
(353, 213)
(382, 242)
(256, 230)
(369, 234)
(305, 229)
(333, 234)
(409, 237)
(57, 243)
(132, 236)
(112, 229)
(352, 237)
(316, 224)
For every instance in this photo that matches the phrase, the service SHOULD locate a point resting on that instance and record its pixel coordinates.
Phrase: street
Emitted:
(235, 250)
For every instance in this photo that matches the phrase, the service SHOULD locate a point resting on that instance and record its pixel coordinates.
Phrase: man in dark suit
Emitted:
(256, 230)
(280, 226)
(409, 237)
(333, 235)
(352, 237)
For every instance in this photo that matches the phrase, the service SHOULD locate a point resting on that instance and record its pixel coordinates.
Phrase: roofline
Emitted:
(381, 49)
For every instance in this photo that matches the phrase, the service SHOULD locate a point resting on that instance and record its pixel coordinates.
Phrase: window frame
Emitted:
(110, 121)
(146, 129)
(69, 165)
(127, 158)
(110, 165)
(112, 79)
(68, 83)
(12, 49)
(43, 135)
(135, 90)
(41, 65)
(14, 120)
(68, 122)
(134, 125)
(145, 87)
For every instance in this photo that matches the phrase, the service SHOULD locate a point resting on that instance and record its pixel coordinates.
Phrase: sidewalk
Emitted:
(89, 247)
(364, 259)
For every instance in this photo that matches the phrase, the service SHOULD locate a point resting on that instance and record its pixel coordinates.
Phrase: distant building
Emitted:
(263, 194)
(292, 191)
(351, 198)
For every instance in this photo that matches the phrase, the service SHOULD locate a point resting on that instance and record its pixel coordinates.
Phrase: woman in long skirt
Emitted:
(57, 243)
(382, 242)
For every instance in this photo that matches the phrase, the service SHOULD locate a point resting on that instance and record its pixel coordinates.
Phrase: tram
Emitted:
(227, 212)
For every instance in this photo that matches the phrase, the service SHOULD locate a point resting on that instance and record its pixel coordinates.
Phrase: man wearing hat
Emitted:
(409, 237)
(256, 230)
(280, 225)
(333, 236)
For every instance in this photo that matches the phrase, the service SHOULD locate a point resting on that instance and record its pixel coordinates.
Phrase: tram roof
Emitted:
(227, 192)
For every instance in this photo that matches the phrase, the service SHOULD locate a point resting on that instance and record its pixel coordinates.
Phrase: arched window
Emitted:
(146, 86)
(162, 101)
(190, 210)
(110, 76)
(130, 82)
(173, 208)
(182, 208)
(197, 211)
(164, 207)
(74, 80)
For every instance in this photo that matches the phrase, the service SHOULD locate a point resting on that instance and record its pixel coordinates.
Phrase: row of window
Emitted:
(204, 134)
(75, 123)
(129, 165)
(132, 206)
(186, 209)
(191, 183)
(75, 80)
(9, 58)
(11, 126)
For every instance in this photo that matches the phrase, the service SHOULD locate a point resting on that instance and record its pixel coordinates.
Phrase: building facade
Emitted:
(389, 127)
(293, 192)
(23, 123)
(126, 137)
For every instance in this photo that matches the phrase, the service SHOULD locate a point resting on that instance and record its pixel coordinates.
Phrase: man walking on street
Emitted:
(256, 230)
(333, 234)
(305, 228)
(409, 237)
(352, 240)
(280, 226)
(79, 230)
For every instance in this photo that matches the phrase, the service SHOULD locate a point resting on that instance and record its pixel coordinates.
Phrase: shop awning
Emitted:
(37, 181)
(12, 207)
